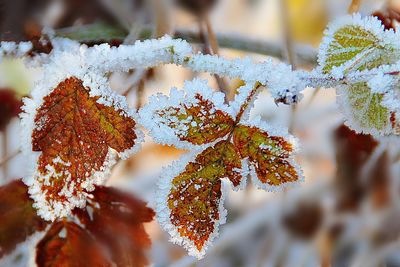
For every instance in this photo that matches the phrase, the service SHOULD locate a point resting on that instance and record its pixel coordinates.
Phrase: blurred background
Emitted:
(347, 211)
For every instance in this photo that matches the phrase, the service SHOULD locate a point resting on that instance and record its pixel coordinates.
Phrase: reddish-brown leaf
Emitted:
(352, 152)
(10, 106)
(116, 219)
(18, 219)
(304, 220)
(195, 196)
(66, 244)
(269, 155)
(74, 133)
(198, 123)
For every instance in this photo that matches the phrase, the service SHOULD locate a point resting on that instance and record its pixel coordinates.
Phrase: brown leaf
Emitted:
(269, 155)
(202, 121)
(18, 219)
(195, 195)
(116, 219)
(352, 152)
(66, 244)
(10, 106)
(74, 134)
(304, 220)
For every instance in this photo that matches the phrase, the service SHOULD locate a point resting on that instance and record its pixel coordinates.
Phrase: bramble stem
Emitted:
(306, 55)
(211, 47)
(354, 6)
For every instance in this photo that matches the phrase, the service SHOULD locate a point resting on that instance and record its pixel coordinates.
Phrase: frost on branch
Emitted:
(353, 45)
(190, 201)
(193, 116)
(77, 134)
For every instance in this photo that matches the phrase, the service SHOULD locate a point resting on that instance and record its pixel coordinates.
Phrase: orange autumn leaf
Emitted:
(17, 216)
(194, 117)
(198, 124)
(116, 220)
(77, 135)
(195, 197)
(190, 201)
(268, 155)
(67, 244)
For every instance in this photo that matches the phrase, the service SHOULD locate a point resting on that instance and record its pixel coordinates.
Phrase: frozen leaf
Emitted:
(190, 204)
(195, 116)
(77, 135)
(269, 156)
(18, 218)
(67, 244)
(365, 112)
(354, 43)
(116, 220)
(192, 200)
(357, 44)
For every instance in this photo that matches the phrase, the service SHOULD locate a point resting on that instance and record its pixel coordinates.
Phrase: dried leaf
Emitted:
(194, 197)
(116, 220)
(77, 136)
(269, 156)
(352, 151)
(67, 244)
(17, 216)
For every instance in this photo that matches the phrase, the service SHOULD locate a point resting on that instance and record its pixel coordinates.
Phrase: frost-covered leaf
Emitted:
(269, 156)
(68, 244)
(190, 207)
(10, 106)
(354, 43)
(365, 112)
(77, 134)
(18, 219)
(116, 220)
(193, 116)
(357, 44)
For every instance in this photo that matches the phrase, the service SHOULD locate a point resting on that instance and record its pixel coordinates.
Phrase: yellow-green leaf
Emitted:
(355, 43)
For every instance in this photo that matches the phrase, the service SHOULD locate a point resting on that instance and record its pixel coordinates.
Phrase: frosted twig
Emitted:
(305, 54)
